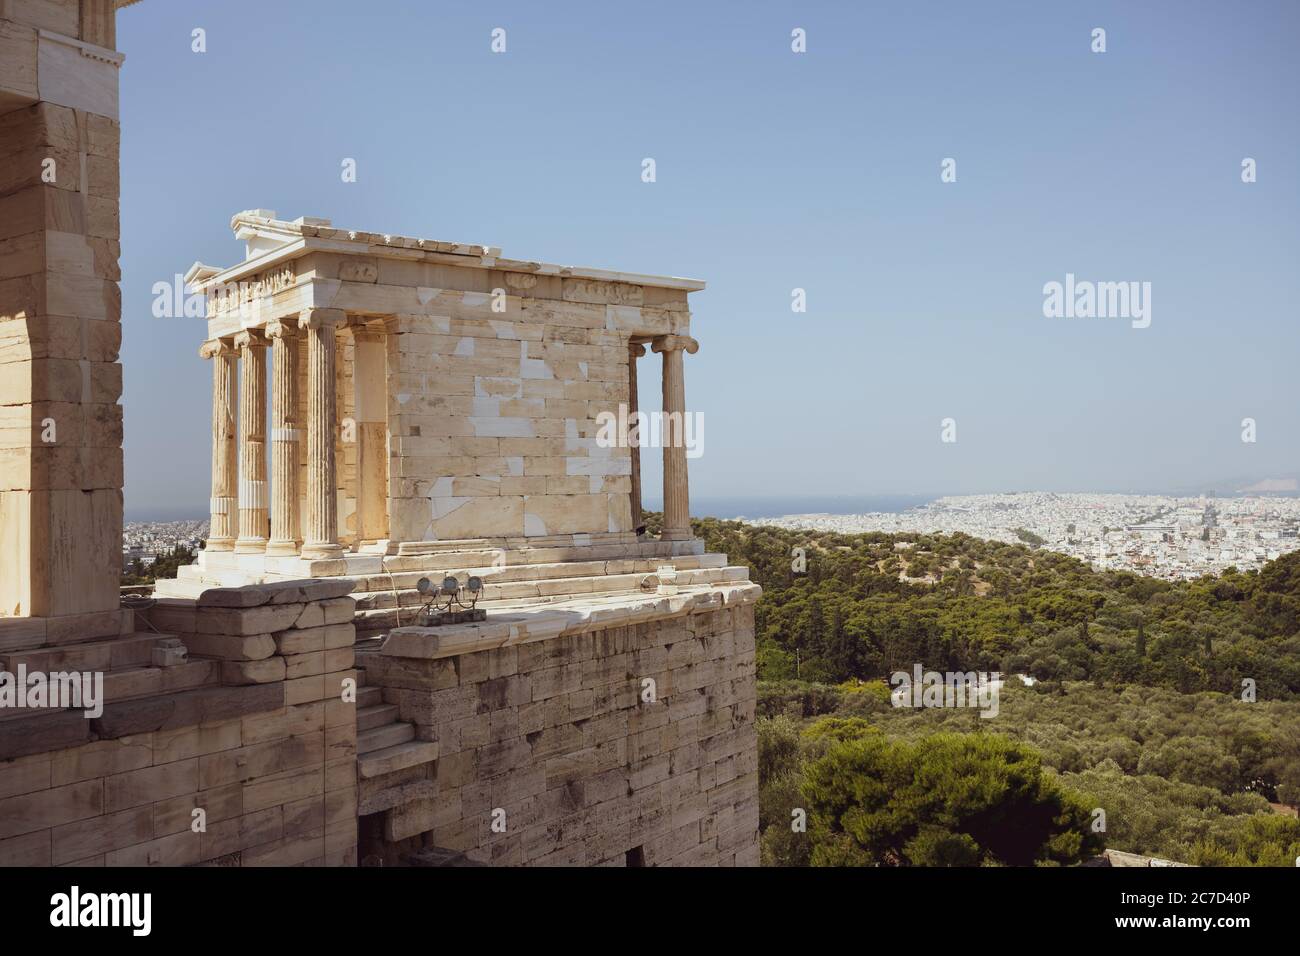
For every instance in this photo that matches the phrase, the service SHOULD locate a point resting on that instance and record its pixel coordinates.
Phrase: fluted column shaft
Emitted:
(286, 533)
(224, 502)
(321, 520)
(677, 508)
(635, 351)
(252, 442)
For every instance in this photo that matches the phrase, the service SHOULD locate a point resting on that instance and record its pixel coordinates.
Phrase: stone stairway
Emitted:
(387, 597)
(385, 743)
(389, 600)
(126, 662)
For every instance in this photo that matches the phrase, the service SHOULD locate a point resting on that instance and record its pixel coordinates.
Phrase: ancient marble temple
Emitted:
(425, 392)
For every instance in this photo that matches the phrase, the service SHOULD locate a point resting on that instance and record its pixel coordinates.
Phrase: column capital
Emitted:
(281, 328)
(215, 347)
(671, 343)
(322, 319)
(250, 339)
(635, 349)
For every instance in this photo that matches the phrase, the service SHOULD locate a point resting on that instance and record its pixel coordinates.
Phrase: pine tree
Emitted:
(841, 653)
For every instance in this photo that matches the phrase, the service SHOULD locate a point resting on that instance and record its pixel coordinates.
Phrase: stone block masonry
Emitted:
(623, 745)
(613, 731)
(60, 312)
(244, 755)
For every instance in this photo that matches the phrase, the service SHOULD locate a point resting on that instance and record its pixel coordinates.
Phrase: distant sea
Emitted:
(702, 506)
(165, 513)
(771, 506)
(778, 505)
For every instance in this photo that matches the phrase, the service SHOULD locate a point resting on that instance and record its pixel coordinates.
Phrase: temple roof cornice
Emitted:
(270, 241)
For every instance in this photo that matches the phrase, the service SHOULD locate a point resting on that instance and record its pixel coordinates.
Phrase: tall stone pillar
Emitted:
(225, 495)
(635, 351)
(286, 532)
(252, 442)
(321, 520)
(61, 444)
(677, 508)
(370, 406)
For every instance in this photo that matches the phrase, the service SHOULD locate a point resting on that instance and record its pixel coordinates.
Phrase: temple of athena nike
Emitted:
(435, 407)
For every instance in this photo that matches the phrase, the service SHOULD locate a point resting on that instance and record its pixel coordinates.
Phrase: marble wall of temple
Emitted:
(495, 416)
(60, 313)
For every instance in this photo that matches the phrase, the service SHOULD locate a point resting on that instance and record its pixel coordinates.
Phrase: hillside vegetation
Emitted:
(1138, 733)
(870, 604)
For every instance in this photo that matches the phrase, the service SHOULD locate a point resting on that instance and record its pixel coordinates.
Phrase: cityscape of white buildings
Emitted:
(145, 540)
(1170, 538)
(1165, 537)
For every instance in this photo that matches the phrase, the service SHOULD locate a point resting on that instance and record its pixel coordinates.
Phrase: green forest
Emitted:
(1163, 718)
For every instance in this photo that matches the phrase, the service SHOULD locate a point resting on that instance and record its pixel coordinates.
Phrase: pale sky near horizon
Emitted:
(777, 171)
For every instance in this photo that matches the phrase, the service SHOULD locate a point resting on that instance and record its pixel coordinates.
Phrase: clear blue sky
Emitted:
(776, 171)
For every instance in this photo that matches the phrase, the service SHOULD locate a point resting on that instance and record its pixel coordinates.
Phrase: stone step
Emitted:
(522, 591)
(380, 738)
(404, 580)
(367, 696)
(103, 655)
(537, 576)
(438, 857)
(378, 715)
(376, 763)
(376, 797)
(147, 681)
(473, 557)
(134, 681)
(177, 588)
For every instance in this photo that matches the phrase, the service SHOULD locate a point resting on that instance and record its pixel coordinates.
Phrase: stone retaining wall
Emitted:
(266, 748)
(558, 751)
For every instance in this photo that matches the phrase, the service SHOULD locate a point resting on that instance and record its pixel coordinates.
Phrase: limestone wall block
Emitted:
(559, 514)
(248, 621)
(477, 517)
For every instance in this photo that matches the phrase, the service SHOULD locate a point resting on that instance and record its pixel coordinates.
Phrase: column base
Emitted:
(675, 534)
(283, 549)
(219, 544)
(321, 551)
(250, 546)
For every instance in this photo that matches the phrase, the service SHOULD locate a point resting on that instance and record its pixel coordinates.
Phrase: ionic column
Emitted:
(286, 534)
(321, 520)
(252, 442)
(635, 351)
(224, 501)
(677, 508)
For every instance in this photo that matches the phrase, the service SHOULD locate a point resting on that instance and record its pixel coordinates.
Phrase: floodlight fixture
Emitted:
(442, 601)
